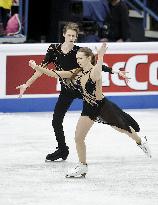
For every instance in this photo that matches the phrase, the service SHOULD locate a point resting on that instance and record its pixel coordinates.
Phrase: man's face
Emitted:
(70, 36)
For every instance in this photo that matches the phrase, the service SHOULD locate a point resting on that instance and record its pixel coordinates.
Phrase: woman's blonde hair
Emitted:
(88, 52)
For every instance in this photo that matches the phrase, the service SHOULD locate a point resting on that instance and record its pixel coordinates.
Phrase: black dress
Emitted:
(67, 95)
(102, 110)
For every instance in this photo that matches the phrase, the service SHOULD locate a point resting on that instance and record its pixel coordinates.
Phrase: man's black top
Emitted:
(65, 62)
(59, 59)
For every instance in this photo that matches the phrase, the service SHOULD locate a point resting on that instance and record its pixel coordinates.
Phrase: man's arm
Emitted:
(24, 86)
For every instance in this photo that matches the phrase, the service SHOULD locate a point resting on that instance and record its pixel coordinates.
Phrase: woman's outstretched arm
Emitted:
(51, 73)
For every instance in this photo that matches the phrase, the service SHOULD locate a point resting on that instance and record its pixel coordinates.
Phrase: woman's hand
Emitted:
(22, 88)
(123, 75)
(102, 50)
(32, 64)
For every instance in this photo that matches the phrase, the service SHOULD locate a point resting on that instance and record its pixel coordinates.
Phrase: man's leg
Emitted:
(60, 110)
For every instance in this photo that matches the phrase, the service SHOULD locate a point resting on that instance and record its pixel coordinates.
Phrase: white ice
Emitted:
(119, 172)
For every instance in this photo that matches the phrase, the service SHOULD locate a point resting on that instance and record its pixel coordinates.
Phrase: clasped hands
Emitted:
(32, 64)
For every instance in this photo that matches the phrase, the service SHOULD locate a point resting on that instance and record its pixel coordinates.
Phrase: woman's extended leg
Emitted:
(133, 134)
(141, 142)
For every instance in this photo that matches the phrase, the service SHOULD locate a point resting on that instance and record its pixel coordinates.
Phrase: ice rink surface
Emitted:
(119, 172)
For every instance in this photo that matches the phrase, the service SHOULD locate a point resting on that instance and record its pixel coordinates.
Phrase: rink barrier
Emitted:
(139, 59)
(48, 104)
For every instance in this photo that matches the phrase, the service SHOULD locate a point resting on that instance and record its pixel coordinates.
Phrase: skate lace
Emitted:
(143, 147)
(77, 167)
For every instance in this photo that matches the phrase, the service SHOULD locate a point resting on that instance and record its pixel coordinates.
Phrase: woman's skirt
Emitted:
(109, 113)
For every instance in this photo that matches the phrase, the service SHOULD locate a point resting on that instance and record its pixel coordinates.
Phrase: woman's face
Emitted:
(82, 60)
(70, 36)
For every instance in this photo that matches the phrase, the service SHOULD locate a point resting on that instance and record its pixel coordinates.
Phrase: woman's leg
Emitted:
(141, 142)
(83, 126)
(133, 134)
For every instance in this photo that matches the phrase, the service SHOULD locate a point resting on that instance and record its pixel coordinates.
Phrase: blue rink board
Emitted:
(48, 104)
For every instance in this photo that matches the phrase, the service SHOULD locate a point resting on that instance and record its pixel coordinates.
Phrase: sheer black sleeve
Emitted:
(107, 69)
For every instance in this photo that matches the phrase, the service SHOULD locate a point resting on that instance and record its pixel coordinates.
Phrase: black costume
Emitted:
(67, 95)
(102, 110)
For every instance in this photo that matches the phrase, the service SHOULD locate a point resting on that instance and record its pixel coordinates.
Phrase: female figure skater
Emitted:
(95, 106)
(63, 56)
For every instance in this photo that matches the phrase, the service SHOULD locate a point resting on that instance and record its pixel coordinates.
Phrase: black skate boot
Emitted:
(58, 154)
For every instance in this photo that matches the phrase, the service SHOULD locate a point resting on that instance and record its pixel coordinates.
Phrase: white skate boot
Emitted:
(79, 171)
(145, 147)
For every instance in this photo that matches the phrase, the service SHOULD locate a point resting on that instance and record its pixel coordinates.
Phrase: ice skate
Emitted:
(78, 172)
(58, 154)
(145, 147)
